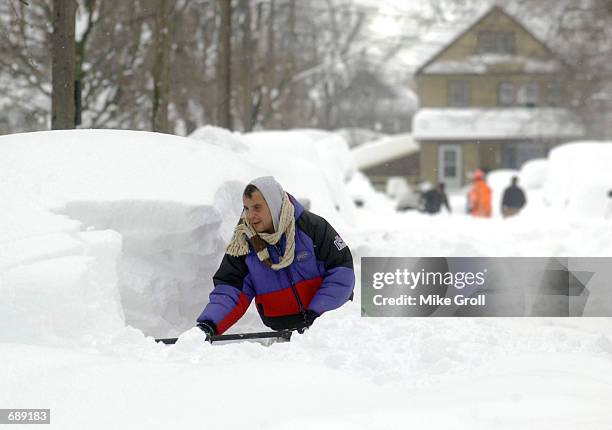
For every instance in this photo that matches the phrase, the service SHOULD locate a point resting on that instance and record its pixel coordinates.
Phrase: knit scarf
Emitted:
(244, 232)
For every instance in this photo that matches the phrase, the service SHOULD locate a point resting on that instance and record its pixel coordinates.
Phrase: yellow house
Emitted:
(491, 98)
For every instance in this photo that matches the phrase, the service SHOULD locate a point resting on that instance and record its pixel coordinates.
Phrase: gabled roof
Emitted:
(470, 26)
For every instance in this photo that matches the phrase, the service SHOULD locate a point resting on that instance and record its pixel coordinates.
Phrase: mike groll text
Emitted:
(429, 300)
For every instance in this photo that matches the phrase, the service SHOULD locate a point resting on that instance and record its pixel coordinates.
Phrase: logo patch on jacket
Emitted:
(304, 255)
(339, 243)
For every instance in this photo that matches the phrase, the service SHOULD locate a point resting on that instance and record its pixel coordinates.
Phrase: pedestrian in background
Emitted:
(479, 196)
(513, 200)
(432, 200)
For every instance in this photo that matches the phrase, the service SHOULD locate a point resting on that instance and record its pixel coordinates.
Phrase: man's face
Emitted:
(257, 213)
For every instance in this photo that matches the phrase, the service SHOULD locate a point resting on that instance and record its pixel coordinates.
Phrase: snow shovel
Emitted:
(281, 335)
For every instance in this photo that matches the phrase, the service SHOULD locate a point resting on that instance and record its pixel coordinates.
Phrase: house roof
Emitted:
(448, 38)
(383, 150)
(495, 123)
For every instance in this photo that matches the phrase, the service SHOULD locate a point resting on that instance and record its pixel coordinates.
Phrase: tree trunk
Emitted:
(161, 66)
(270, 71)
(246, 67)
(62, 68)
(90, 9)
(224, 117)
(289, 118)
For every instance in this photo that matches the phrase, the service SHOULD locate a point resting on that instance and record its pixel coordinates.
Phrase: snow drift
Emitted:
(109, 228)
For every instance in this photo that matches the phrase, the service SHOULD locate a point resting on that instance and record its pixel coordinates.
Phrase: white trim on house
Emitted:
(485, 63)
(495, 123)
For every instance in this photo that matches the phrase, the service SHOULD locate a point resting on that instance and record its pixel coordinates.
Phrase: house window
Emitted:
(528, 95)
(450, 164)
(496, 42)
(459, 93)
(506, 94)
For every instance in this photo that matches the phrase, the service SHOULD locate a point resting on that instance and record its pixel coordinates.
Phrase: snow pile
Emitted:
(219, 137)
(358, 136)
(107, 226)
(579, 178)
(142, 219)
(146, 235)
(315, 164)
(56, 282)
(365, 196)
(533, 173)
(532, 177)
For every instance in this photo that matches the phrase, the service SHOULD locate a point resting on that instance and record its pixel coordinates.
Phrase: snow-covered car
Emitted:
(401, 192)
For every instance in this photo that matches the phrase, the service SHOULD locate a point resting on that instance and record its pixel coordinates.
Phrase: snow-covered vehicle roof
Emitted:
(385, 149)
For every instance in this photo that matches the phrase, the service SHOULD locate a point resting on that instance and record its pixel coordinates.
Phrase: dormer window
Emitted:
(496, 42)
(528, 95)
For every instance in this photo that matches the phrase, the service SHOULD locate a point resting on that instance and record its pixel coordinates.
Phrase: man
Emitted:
(434, 198)
(479, 197)
(513, 199)
(291, 261)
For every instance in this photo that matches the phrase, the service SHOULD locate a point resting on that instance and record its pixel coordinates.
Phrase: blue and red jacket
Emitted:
(321, 278)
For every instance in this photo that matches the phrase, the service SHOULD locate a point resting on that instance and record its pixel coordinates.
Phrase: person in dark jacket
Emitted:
(433, 199)
(513, 200)
(291, 261)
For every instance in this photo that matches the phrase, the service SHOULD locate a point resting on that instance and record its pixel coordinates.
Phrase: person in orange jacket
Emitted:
(479, 197)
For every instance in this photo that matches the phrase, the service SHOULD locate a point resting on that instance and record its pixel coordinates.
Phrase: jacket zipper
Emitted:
(290, 279)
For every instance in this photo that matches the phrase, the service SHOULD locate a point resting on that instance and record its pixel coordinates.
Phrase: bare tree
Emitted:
(285, 64)
(224, 66)
(89, 9)
(245, 106)
(161, 66)
(63, 70)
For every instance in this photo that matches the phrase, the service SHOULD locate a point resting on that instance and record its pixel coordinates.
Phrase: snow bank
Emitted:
(358, 136)
(533, 173)
(108, 228)
(579, 178)
(57, 282)
(362, 191)
(220, 137)
(142, 219)
(313, 164)
(88, 205)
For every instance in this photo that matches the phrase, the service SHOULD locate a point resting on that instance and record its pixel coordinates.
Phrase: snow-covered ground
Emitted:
(110, 237)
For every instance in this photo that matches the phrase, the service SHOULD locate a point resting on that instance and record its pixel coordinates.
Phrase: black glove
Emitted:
(310, 316)
(208, 328)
